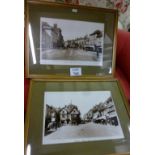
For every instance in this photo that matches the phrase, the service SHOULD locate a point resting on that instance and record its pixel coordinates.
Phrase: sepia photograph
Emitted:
(80, 116)
(71, 42)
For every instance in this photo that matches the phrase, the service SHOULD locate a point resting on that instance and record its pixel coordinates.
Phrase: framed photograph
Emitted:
(60, 45)
(76, 117)
(60, 37)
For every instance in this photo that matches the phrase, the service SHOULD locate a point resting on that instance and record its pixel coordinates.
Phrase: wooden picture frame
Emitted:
(81, 57)
(44, 92)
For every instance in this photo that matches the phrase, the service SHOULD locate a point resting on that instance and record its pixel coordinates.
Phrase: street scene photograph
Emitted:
(71, 42)
(79, 117)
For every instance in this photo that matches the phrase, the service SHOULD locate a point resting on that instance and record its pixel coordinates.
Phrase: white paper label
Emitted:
(75, 10)
(75, 72)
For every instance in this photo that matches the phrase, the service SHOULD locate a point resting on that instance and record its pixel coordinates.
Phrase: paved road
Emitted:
(70, 54)
(87, 131)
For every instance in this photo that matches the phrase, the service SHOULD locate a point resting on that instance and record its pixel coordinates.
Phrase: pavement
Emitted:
(70, 54)
(84, 132)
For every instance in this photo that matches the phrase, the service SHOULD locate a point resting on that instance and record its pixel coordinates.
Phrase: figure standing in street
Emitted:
(97, 51)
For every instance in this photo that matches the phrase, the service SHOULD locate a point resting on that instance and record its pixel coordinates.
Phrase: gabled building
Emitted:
(69, 114)
(63, 115)
(75, 116)
(51, 37)
(46, 42)
(88, 116)
(104, 113)
(50, 118)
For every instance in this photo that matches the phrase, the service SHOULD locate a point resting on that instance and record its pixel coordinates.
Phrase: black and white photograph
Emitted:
(80, 116)
(71, 42)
